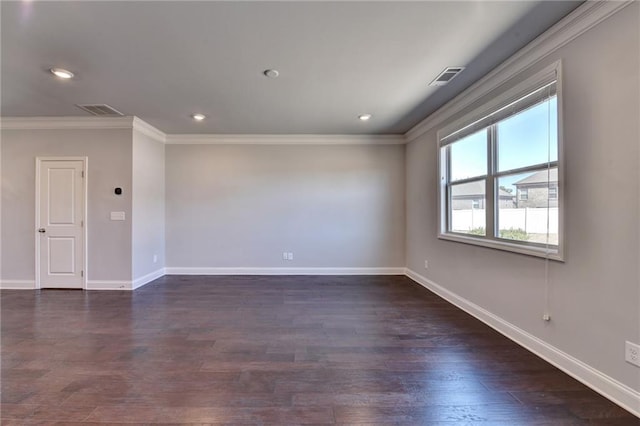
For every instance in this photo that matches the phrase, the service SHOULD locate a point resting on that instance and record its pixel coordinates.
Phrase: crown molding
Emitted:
(285, 139)
(62, 123)
(586, 16)
(76, 123)
(148, 130)
(131, 122)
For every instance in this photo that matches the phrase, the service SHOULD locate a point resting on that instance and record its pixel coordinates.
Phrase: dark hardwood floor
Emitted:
(274, 350)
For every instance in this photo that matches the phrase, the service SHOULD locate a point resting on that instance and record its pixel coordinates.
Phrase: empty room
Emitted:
(320, 212)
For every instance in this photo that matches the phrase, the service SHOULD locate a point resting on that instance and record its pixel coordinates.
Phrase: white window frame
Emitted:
(501, 99)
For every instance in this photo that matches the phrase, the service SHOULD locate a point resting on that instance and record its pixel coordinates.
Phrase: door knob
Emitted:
(42, 230)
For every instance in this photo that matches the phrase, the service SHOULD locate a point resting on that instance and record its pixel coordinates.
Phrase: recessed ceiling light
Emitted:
(62, 73)
(271, 73)
(365, 117)
(198, 117)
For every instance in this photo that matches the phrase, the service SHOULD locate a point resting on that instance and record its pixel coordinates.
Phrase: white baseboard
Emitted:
(610, 388)
(146, 279)
(284, 271)
(108, 285)
(91, 285)
(139, 282)
(18, 284)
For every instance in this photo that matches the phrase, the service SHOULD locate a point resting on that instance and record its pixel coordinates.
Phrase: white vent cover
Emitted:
(101, 110)
(446, 76)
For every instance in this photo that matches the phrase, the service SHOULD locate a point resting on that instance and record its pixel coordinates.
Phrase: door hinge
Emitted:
(81, 223)
(82, 173)
(82, 273)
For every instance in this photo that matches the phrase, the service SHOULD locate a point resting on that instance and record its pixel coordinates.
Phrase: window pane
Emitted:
(528, 207)
(468, 208)
(469, 156)
(529, 137)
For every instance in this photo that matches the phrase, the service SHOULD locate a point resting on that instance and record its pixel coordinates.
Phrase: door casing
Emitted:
(85, 165)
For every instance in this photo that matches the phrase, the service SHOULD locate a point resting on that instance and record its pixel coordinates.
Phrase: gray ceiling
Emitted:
(161, 61)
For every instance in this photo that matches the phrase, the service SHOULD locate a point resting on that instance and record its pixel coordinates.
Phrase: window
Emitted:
(499, 169)
(524, 194)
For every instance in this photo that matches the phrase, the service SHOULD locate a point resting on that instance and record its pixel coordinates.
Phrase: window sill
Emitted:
(553, 254)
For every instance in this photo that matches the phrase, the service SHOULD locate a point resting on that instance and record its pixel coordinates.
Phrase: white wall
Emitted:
(109, 166)
(148, 205)
(594, 294)
(242, 206)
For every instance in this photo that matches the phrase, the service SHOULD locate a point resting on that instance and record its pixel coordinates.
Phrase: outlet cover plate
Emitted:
(632, 353)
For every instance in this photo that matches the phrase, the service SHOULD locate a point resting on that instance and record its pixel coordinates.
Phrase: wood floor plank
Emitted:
(277, 350)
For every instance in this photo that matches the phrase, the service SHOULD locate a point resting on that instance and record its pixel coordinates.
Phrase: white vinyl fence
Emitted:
(531, 220)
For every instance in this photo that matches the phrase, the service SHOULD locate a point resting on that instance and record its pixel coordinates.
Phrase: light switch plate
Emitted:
(117, 216)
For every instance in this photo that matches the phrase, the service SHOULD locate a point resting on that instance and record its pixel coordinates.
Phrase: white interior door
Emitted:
(60, 223)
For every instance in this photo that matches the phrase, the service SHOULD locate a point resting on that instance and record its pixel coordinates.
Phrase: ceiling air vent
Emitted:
(101, 110)
(446, 76)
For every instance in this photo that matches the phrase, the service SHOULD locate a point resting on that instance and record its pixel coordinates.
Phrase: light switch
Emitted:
(117, 215)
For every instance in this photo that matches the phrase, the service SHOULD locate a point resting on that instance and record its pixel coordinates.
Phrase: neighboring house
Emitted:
(538, 190)
(472, 196)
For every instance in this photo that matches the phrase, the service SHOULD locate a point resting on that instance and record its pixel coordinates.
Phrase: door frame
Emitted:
(85, 165)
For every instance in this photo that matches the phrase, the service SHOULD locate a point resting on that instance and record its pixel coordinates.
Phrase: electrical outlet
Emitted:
(289, 256)
(285, 255)
(155, 258)
(632, 353)
(426, 264)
